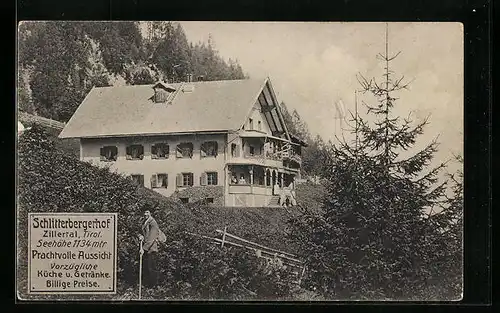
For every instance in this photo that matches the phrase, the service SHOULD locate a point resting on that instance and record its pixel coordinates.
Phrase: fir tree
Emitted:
(447, 263)
(302, 130)
(374, 239)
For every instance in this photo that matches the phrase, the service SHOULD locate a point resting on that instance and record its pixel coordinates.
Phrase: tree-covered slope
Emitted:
(59, 62)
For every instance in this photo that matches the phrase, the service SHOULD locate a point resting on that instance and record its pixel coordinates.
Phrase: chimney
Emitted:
(189, 78)
(200, 78)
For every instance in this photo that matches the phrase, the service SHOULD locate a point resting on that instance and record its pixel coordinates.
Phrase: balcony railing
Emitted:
(271, 157)
(291, 155)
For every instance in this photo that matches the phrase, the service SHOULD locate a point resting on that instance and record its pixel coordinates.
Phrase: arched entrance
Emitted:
(268, 177)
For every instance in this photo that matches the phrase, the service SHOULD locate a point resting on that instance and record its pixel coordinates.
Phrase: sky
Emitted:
(313, 65)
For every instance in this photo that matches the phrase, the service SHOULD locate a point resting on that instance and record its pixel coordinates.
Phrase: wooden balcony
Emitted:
(258, 159)
(291, 156)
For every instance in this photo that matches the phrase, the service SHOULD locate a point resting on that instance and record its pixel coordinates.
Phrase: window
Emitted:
(258, 176)
(159, 180)
(209, 200)
(185, 150)
(259, 125)
(138, 179)
(208, 178)
(185, 179)
(135, 152)
(184, 200)
(235, 150)
(160, 151)
(209, 149)
(212, 178)
(109, 153)
(252, 150)
(250, 124)
(260, 180)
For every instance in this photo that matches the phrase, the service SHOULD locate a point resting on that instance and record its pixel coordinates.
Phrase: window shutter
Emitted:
(237, 153)
(154, 180)
(178, 180)
(165, 181)
(191, 181)
(216, 148)
(179, 152)
(203, 179)
(103, 157)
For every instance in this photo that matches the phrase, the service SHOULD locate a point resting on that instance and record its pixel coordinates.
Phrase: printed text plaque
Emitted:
(72, 253)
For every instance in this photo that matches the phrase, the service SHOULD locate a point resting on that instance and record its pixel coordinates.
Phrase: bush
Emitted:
(50, 180)
(196, 269)
(266, 226)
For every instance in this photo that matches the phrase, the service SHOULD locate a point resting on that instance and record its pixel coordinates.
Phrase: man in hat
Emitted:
(151, 233)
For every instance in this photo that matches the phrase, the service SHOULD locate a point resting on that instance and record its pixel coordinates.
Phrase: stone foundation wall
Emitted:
(199, 193)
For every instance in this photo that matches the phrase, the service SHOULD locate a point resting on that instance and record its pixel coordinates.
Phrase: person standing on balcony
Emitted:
(242, 179)
(234, 180)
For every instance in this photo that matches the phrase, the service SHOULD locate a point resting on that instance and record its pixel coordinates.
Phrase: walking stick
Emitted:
(140, 268)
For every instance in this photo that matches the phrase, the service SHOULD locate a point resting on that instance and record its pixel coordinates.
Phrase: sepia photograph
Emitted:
(240, 161)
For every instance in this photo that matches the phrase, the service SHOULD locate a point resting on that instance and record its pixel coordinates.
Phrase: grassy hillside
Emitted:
(310, 195)
(51, 180)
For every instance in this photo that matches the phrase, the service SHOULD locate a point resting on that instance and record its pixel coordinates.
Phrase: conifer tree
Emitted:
(374, 238)
(300, 126)
(447, 262)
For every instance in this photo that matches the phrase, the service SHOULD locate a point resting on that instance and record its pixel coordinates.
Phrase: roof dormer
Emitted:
(163, 91)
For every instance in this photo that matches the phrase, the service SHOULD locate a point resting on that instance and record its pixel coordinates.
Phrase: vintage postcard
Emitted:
(242, 161)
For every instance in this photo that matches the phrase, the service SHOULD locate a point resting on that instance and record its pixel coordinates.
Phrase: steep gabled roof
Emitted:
(129, 110)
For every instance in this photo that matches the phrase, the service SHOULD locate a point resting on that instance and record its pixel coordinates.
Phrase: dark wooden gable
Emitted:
(270, 109)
